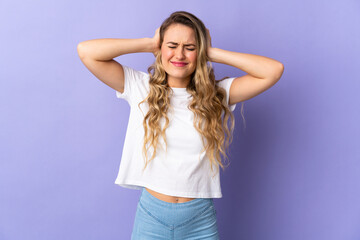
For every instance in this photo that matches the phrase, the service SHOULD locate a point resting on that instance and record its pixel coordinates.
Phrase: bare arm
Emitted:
(108, 48)
(97, 55)
(255, 65)
(263, 72)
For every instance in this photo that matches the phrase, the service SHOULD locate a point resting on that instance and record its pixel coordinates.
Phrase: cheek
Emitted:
(165, 55)
(192, 57)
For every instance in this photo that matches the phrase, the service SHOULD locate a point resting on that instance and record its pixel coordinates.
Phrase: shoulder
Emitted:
(225, 83)
(133, 73)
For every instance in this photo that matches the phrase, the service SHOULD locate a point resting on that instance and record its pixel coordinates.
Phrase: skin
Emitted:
(179, 45)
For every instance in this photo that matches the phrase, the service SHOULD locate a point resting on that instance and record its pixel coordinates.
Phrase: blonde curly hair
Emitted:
(208, 100)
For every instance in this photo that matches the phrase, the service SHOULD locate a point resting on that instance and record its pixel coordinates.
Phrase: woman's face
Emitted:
(179, 54)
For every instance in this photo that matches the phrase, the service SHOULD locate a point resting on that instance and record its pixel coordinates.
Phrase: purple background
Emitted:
(294, 171)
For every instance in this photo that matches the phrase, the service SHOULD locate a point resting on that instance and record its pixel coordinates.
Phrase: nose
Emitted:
(179, 53)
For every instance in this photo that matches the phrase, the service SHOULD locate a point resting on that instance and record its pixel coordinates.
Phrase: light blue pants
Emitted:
(157, 219)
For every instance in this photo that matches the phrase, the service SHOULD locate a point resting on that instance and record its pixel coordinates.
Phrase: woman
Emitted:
(178, 121)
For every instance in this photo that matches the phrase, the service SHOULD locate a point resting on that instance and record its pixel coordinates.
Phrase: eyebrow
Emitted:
(190, 44)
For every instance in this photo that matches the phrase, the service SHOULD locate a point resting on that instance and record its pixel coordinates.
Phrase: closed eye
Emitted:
(190, 49)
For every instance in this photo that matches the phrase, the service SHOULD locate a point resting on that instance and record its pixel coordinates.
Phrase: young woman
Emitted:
(178, 124)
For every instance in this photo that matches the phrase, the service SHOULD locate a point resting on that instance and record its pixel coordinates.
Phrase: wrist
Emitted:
(148, 45)
(211, 52)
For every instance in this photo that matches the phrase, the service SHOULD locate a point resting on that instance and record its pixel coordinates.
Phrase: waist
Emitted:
(152, 202)
(168, 198)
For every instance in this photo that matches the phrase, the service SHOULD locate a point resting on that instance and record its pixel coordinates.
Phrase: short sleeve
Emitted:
(132, 80)
(226, 83)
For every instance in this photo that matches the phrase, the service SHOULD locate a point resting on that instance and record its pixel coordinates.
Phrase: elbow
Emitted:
(278, 72)
(80, 50)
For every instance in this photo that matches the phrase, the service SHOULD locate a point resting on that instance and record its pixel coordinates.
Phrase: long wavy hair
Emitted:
(211, 112)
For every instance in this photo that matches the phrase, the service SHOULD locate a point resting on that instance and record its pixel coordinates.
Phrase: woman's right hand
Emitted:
(156, 42)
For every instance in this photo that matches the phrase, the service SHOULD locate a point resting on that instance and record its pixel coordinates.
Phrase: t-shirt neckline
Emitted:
(180, 91)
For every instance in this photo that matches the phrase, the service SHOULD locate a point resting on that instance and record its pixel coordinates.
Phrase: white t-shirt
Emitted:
(181, 171)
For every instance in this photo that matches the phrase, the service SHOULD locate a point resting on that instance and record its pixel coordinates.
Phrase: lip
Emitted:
(179, 64)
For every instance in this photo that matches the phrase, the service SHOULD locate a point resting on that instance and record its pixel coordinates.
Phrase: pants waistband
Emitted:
(147, 198)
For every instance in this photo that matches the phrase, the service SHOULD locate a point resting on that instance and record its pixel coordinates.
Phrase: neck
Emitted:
(178, 83)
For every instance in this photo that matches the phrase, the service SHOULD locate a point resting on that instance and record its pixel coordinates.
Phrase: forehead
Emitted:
(179, 33)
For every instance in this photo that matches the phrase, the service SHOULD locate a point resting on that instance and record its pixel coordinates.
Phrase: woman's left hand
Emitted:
(209, 47)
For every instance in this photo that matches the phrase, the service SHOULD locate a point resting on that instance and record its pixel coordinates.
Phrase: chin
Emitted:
(179, 76)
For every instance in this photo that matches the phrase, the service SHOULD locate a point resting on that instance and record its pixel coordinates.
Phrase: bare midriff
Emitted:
(167, 198)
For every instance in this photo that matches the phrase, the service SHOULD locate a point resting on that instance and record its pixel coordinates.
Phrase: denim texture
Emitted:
(157, 219)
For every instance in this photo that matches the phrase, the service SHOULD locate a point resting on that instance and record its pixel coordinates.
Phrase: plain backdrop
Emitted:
(295, 166)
